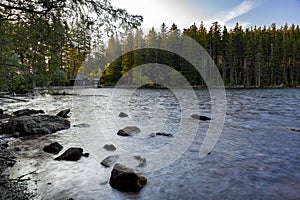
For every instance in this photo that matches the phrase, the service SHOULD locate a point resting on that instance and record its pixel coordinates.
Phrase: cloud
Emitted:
(225, 17)
(239, 10)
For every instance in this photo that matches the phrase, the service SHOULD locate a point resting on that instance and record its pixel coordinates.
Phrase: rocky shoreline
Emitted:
(11, 189)
(22, 123)
(28, 122)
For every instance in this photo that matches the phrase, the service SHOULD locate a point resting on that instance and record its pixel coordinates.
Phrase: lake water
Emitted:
(257, 155)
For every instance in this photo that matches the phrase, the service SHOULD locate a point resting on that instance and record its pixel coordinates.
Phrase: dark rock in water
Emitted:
(293, 129)
(128, 131)
(1, 111)
(142, 161)
(72, 154)
(200, 117)
(109, 161)
(83, 125)
(34, 125)
(27, 112)
(122, 114)
(110, 147)
(63, 113)
(86, 155)
(125, 179)
(164, 134)
(53, 148)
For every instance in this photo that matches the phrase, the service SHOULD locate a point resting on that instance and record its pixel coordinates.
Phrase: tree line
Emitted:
(250, 57)
(48, 42)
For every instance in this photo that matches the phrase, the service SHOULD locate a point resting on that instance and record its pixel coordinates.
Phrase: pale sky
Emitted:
(184, 13)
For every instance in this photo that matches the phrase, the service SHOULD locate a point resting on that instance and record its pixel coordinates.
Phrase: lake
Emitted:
(257, 155)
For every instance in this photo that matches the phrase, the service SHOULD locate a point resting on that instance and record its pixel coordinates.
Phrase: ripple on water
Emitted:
(255, 158)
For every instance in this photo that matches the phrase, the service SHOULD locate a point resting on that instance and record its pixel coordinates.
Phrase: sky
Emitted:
(185, 13)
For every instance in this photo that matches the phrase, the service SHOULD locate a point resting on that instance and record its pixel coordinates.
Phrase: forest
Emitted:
(46, 43)
(245, 57)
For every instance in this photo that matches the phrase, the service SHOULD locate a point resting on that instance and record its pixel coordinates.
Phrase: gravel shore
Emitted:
(11, 189)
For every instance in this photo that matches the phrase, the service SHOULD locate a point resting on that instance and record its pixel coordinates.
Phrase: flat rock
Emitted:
(27, 112)
(109, 161)
(64, 113)
(125, 179)
(53, 148)
(34, 125)
(128, 131)
(122, 115)
(72, 154)
(109, 147)
(200, 117)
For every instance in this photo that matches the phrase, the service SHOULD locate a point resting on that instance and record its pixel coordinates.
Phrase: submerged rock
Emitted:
(142, 161)
(71, 154)
(53, 148)
(109, 147)
(122, 114)
(128, 131)
(109, 161)
(64, 113)
(27, 112)
(200, 117)
(125, 179)
(34, 125)
(83, 125)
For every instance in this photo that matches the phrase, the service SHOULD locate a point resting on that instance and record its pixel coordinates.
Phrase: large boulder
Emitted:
(34, 125)
(128, 131)
(27, 112)
(53, 148)
(125, 179)
(71, 154)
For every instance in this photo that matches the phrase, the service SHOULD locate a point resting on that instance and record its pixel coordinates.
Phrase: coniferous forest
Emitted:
(44, 45)
(246, 57)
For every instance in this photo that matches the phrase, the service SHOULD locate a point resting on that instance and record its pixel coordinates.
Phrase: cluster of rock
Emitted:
(33, 122)
(122, 177)
(71, 154)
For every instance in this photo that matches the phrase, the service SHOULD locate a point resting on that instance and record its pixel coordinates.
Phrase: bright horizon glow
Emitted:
(185, 13)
